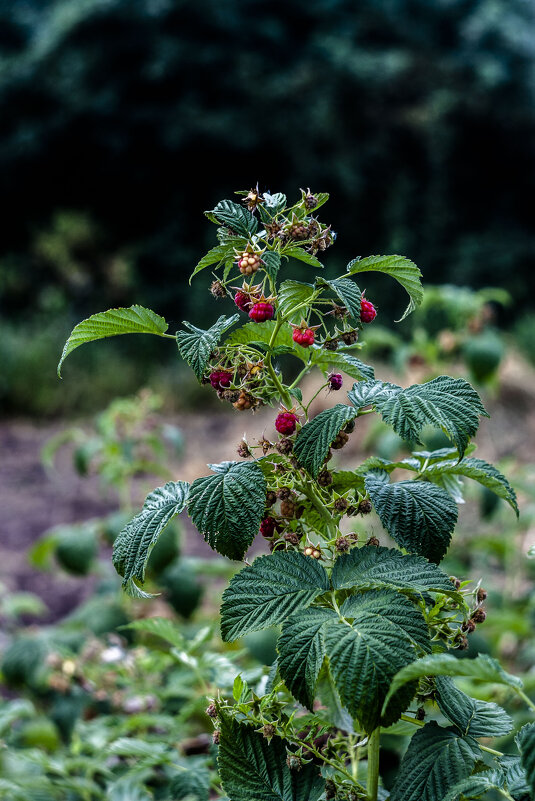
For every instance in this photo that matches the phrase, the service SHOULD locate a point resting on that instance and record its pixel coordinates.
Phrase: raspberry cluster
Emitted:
(220, 379)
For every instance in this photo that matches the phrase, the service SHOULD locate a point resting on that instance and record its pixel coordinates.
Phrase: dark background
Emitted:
(121, 120)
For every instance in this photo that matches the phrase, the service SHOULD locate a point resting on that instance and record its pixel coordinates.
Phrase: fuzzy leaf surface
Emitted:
(483, 667)
(375, 567)
(233, 215)
(252, 769)
(313, 441)
(227, 507)
(301, 649)
(111, 323)
(435, 761)
(470, 715)
(525, 740)
(480, 471)
(398, 267)
(269, 591)
(133, 545)
(345, 362)
(372, 393)
(393, 606)
(420, 516)
(196, 344)
(346, 291)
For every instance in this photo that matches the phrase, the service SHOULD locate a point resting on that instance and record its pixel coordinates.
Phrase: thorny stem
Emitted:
(372, 783)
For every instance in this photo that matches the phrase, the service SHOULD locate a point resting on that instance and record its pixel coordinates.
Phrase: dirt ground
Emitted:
(33, 500)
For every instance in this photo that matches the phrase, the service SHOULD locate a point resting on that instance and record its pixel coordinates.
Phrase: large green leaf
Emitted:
(365, 655)
(301, 650)
(470, 715)
(227, 507)
(370, 567)
(420, 516)
(525, 740)
(483, 667)
(253, 769)
(396, 608)
(480, 471)
(398, 267)
(346, 291)
(373, 392)
(133, 545)
(111, 323)
(196, 344)
(236, 217)
(480, 783)
(313, 441)
(269, 591)
(292, 294)
(436, 759)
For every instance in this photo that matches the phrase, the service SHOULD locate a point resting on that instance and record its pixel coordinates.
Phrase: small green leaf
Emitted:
(375, 567)
(477, 785)
(133, 545)
(196, 345)
(373, 392)
(342, 361)
(159, 627)
(191, 784)
(272, 263)
(292, 294)
(420, 516)
(436, 759)
(470, 715)
(301, 650)
(303, 255)
(227, 507)
(525, 740)
(253, 769)
(347, 292)
(254, 601)
(236, 217)
(274, 203)
(214, 256)
(480, 471)
(134, 320)
(398, 267)
(313, 441)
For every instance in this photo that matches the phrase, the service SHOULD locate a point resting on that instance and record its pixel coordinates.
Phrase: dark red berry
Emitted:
(335, 381)
(220, 379)
(267, 526)
(242, 301)
(303, 337)
(260, 312)
(367, 311)
(286, 423)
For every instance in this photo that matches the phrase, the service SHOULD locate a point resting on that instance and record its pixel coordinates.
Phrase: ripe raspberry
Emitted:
(220, 379)
(242, 301)
(286, 423)
(335, 381)
(349, 337)
(339, 441)
(267, 526)
(249, 261)
(368, 312)
(217, 289)
(261, 312)
(303, 337)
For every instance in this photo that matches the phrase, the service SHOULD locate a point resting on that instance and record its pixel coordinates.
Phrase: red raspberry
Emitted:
(367, 311)
(220, 379)
(303, 337)
(267, 527)
(242, 301)
(261, 312)
(335, 381)
(285, 423)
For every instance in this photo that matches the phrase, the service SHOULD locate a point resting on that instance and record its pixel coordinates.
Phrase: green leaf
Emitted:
(191, 784)
(334, 712)
(480, 471)
(346, 291)
(373, 392)
(292, 294)
(420, 516)
(396, 608)
(470, 715)
(252, 769)
(436, 759)
(301, 650)
(475, 786)
(254, 600)
(398, 267)
(227, 507)
(376, 567)
(159, 627)
(235, 216)
(313, 441)
(525, 740)
(133, 545)
(343, 361)
(214, 256)
(134, 320)
(483, 667)
(365, 655)
(515, 777)
(303, 255)
(196, 345)
(449, 404)
(275, 203)
(272, 263)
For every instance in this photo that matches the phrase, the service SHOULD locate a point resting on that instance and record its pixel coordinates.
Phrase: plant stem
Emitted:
(372, 783)
(301, 375)
(526, 699)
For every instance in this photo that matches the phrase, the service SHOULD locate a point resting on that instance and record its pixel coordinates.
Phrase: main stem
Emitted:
(372, 783)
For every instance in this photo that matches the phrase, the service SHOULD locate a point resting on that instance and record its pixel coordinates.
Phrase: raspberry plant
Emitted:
(365, 628)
